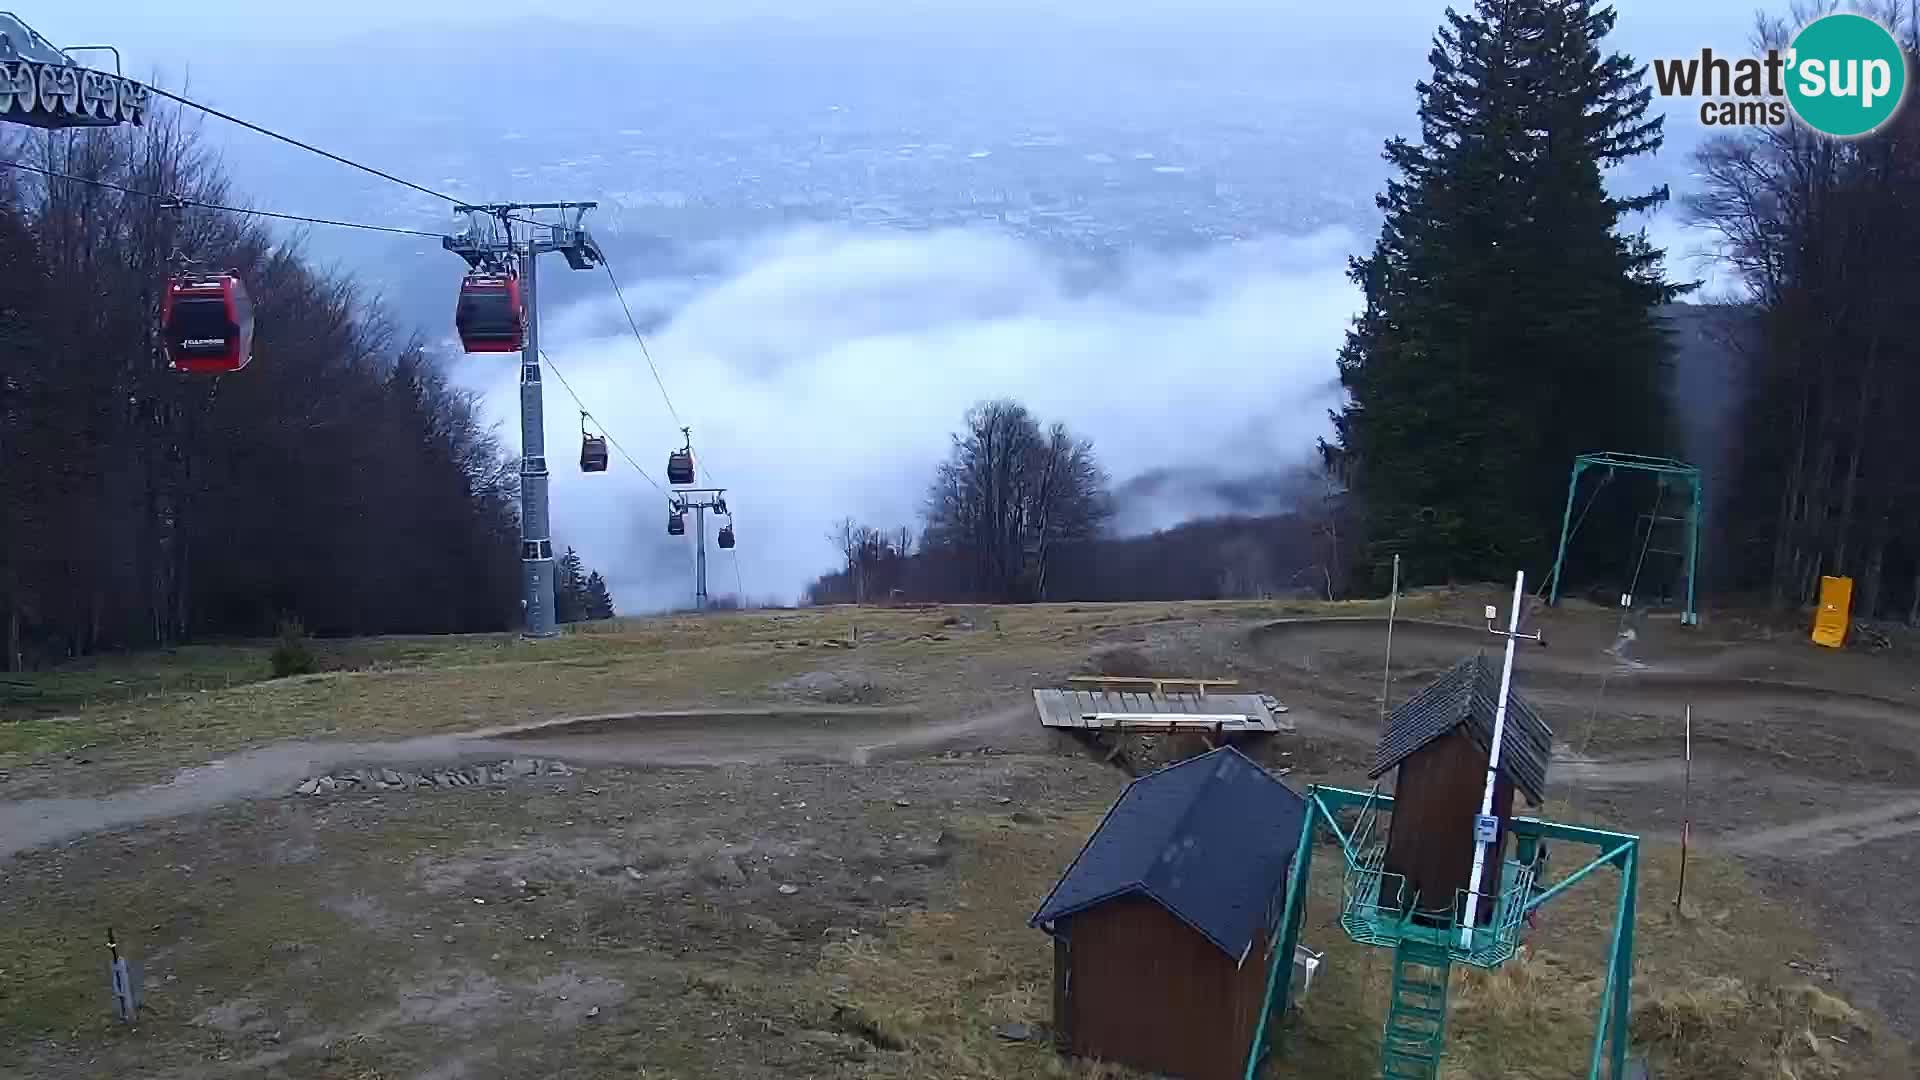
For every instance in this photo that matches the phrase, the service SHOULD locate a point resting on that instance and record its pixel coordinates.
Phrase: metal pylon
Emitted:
(489, 242)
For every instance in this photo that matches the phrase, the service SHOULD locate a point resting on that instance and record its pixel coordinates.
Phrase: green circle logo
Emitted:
(1847, 75)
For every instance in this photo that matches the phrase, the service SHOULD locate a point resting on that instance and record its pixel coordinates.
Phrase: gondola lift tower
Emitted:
(498, 310)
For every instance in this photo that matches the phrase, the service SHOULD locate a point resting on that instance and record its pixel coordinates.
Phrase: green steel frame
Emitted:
(1660, 466)
(1619, 850)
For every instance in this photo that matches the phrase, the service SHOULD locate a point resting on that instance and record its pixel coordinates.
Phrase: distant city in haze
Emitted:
(1094, 143)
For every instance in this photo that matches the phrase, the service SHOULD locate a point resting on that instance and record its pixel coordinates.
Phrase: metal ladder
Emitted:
(1416, 1028)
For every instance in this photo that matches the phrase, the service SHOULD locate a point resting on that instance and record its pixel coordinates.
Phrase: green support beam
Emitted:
(1608, 1059)
(1280, 962)
(1660, 466)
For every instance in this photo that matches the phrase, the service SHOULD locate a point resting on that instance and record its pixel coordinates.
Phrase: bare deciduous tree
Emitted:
(339, 479)
(1823, 234)
(1009, 495)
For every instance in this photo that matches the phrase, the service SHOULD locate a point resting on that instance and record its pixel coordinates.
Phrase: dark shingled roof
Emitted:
(1210, 839)
(1468, 695)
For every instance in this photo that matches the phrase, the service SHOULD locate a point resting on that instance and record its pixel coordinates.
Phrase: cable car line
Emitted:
(184, 201)
(309, 147)
(740, 590)
(644, 351)
(588, 414)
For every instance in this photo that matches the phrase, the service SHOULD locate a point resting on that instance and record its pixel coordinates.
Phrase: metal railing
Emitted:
(1492, 945)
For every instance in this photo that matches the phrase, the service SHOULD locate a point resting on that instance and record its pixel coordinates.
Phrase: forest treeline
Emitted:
(339, 480)
(1825, 233)
(1508, 327)
(1020, 511)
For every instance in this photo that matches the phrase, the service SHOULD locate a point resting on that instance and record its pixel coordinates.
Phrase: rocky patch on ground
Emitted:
(850, 687)
(386, 779)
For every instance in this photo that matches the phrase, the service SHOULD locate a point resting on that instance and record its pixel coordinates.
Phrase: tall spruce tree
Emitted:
(1507, 326)
(570, 601)
(599, 600)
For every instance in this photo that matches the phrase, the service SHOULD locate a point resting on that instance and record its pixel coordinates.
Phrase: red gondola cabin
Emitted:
(207, 323)
(491, 318)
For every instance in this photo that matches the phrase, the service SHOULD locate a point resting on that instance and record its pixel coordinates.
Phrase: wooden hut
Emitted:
(1440, 741)
(1162, 922)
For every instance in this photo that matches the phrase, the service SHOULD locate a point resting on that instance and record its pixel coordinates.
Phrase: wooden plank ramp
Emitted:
(1155, 707)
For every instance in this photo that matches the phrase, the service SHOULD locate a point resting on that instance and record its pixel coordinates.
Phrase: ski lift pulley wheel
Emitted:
(491, 316)
(207, 324)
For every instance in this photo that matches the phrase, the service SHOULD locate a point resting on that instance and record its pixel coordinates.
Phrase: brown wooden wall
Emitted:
(1436, 795)
(1142, 988)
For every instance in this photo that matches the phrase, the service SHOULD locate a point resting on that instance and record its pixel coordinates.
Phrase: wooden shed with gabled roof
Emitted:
(1440, 741)
(1162, 923)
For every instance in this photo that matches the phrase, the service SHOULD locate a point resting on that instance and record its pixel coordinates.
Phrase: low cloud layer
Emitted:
(824, 371)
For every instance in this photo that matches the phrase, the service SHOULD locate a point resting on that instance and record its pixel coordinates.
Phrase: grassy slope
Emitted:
(1714, 996)
(215, 698)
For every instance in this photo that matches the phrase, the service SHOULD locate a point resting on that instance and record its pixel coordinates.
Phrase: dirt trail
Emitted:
(1828, 834)
(1668, 666)
(686, 738)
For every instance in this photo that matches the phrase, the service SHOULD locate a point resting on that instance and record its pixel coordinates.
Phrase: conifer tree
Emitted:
(570, 589)
(599, 600)
(1507, 326)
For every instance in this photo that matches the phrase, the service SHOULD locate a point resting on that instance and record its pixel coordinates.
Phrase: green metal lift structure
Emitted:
(1376, 911)
(1670, 472)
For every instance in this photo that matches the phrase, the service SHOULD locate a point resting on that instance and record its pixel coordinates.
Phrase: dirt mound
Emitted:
(840, 687)
(1120, 662)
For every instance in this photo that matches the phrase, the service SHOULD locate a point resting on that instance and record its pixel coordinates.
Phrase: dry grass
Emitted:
(214, 699)
(936, 986)
(1709, 999)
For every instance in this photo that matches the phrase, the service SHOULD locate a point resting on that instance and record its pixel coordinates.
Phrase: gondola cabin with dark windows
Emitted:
(490, 317)
(726, 536)
(680, 467)
(1438, 744)
(676, 523)
(593, 453)
(207, 324)
(1161, 924)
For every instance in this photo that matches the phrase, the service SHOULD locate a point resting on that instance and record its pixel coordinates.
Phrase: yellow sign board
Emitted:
(1836, 604)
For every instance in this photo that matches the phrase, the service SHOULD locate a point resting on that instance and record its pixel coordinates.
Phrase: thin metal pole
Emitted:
(1566, 522)
(1493, 762)
(700, 556)
(1386, 669)
(536, 544)
(1692, 615)
(1686, 811)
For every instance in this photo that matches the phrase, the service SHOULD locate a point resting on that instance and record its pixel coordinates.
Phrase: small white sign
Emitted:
(1485, 828)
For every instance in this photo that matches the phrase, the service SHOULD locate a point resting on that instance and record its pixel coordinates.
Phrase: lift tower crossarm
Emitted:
(700, 500)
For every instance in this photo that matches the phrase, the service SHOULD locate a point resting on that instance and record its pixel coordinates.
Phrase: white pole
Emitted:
(1493, 765)
(1686, 812)
(1386, 671)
